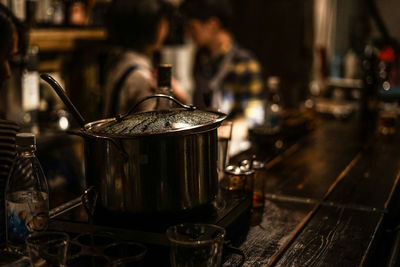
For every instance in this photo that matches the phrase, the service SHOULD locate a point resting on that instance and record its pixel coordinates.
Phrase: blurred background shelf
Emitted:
(63, 39)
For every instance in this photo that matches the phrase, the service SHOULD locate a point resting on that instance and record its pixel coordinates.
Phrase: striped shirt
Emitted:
(8, 131)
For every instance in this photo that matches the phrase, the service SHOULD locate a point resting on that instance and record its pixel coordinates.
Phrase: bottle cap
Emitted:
(256, 164)
(25, 139)
(164, 75)
(238, 170)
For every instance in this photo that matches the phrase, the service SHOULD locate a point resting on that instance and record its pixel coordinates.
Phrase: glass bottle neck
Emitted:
(165, 90)
(26, 151)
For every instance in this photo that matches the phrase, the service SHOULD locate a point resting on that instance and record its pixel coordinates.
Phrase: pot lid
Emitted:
(157, 122)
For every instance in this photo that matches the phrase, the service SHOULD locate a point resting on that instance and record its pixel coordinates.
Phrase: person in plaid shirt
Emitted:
(227, 76)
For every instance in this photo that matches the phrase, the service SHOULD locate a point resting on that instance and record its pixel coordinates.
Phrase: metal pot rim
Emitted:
(195, 129)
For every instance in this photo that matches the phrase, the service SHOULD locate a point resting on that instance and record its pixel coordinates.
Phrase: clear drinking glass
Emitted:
(47, 248)
(9, 258)
(125, 252)
(196, 245)
(224, 136)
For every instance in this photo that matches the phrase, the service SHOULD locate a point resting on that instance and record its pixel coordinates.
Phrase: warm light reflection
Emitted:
(63, 123)
(178, 125)
(386, 86)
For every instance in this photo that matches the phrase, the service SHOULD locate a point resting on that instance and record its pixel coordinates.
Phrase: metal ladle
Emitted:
(65, 99)
(89, 197)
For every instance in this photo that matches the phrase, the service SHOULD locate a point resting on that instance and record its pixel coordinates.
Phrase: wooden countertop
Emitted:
(331, 199)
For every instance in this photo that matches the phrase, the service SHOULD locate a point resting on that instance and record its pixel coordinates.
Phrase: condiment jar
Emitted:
(259, 181)
(239, 179)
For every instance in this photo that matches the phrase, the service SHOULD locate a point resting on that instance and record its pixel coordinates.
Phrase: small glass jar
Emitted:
(238, 179)
(258, 181)
(259, 184)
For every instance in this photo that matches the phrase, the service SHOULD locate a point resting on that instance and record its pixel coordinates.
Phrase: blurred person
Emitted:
(12, 43)
(138, 29)
(227, 77)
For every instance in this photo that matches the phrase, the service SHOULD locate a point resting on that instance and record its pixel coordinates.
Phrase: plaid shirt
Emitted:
(241, 86)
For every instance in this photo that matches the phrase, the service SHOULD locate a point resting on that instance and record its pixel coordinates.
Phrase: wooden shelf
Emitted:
(55, 39)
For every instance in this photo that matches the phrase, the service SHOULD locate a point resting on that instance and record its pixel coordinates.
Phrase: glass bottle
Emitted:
(31, 13)
(369, 94)
(18, 7)
(273, 109)
(58, 12)
(26, 194)
(164, 74)
(164, 79)
(30, 90)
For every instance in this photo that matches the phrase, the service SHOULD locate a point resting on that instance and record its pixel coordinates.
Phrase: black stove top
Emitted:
(231, 212)
(225, 212)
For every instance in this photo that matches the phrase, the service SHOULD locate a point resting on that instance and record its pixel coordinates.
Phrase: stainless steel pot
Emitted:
(150, 162)
(157, 161)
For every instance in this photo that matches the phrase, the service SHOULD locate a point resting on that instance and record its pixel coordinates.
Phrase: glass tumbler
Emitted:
(224, 137)
(47, 248)
(196, 245)
(258, 181)
(238, 180)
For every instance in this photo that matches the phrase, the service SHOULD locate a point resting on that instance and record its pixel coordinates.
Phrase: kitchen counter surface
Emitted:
(331, 199)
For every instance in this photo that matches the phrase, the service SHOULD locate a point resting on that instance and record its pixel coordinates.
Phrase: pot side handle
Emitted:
(188, 107)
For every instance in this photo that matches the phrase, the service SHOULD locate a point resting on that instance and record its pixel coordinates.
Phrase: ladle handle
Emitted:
(60, 92)
(120, 117)
(76, 202)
